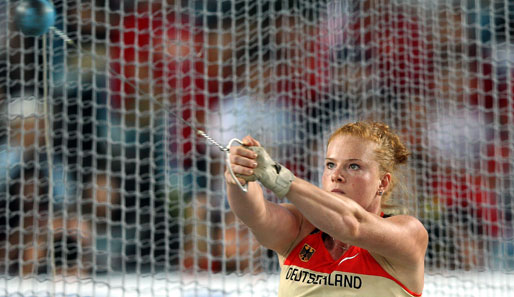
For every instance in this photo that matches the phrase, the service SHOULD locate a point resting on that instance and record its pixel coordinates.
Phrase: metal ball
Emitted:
(35, 17)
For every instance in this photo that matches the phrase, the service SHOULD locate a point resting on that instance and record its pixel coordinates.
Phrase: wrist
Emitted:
(271, 174)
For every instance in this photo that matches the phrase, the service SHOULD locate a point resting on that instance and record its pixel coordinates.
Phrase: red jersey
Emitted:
(310, 270)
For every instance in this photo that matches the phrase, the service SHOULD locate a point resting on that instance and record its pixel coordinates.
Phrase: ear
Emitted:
(385, 182)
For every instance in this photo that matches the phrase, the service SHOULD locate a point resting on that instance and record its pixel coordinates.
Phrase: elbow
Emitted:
(351, 222)
(351, 228)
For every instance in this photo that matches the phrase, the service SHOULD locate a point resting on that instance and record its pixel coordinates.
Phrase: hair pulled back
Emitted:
(390, 152)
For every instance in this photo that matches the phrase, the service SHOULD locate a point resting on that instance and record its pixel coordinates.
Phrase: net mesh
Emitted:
(123, 198)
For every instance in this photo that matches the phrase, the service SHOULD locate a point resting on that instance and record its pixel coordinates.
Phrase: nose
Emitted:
(337, 176)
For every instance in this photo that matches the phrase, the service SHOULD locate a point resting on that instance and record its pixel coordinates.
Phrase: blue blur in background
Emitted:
(35, 17)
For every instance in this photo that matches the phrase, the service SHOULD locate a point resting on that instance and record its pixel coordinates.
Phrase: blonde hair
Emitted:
(390, 152)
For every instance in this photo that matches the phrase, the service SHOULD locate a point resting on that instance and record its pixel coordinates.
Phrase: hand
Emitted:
(254, 163)
(243, 160)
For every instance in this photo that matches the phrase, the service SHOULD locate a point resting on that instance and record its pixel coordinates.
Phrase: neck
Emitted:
(336, 245)
(375, 206)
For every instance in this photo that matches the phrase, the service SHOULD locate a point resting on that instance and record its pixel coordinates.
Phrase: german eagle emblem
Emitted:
(306, 253)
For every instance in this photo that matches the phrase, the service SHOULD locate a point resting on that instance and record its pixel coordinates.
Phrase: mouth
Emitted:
(337, 191)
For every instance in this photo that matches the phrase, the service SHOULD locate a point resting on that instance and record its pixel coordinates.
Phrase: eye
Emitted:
(354, 166)
(330, 165)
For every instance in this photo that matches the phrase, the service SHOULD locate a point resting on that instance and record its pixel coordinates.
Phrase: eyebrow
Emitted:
(347, 160)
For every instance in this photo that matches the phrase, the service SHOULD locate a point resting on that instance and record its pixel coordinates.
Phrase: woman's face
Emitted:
(351, 170)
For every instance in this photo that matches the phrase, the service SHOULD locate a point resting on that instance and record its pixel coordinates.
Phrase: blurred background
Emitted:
(108, 181)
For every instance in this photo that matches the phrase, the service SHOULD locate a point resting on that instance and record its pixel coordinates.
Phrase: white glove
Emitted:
(271, 174)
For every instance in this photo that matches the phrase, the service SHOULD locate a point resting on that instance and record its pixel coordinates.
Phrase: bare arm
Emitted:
(400, 239)
(275, 226)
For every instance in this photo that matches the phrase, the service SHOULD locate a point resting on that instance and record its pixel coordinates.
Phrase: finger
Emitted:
(243, 152)
(242, 170)
(250, 141)
(241, 181)
(243, 161)
(230, 179)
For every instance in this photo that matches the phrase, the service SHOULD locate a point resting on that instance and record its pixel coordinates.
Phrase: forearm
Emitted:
(334, 214)
(273, 225)
(249, 207)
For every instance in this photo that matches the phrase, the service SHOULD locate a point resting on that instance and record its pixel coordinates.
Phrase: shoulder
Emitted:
(411, 221)
(411, 235)
(411, 226)
(305, 228)
(404, 257)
